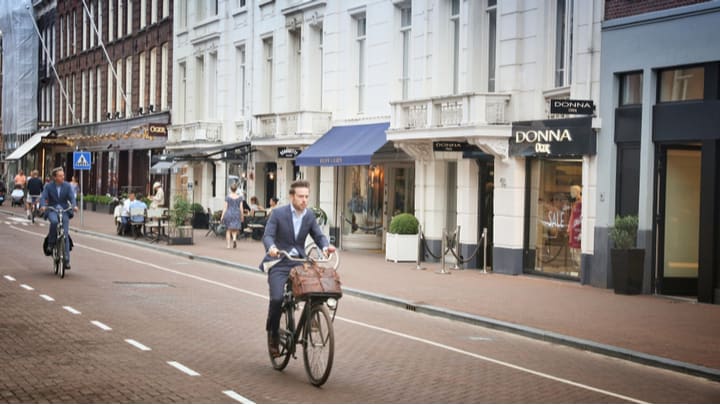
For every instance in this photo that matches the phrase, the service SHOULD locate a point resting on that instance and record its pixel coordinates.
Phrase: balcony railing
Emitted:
(196, 132)
(450, 111)
(291, 124)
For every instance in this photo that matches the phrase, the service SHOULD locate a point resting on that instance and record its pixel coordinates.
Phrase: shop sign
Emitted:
(567, 106)
(288, 153)
(450, 146)
(157, 129)
(563, 137)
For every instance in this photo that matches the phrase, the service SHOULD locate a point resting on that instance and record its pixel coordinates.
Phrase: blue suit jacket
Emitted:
(279, 232)
(51, 198)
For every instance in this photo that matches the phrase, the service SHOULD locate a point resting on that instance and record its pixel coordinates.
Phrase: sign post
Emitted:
(81, 161)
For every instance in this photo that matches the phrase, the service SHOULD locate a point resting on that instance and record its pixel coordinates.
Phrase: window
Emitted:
(143, 13)
(83, 95)
(111, 20)
(682, 84)
(213, 7)
(74, 32)
(563, 43)
(84, 31)
(62, 48)
(200, 88)
(61, 104)
(120, 21)
(91, 95)
(154, 10)
(182, 93)
(200, 7)
(405, 31)
(165, 8)
(631, 89)
(183, 12)
(295, 67)
(110, 87)
(164, 76)
(455, 24)
(268, 73)
(100, 21)
(73, 107)
(142, 100)
(361, 25)
(68, 43)
(92, 24)
(240, 80)
(492, 43)
(98, 104)
(129, 29)
(212, 112)
(128, 86)
(153, 79)
(240, 3)
(119, 102)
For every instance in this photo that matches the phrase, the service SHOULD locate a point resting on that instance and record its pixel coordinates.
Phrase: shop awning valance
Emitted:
(351, 145)
(29, 145)
(205, 152)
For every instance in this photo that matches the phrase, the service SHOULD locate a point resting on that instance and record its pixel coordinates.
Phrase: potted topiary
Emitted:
(402, 243)
(200, 218)
(627, 261)
(179, 232)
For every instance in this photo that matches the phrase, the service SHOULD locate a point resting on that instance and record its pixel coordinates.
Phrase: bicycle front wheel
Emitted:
(318, 344)
(61, 256)
(287, 342)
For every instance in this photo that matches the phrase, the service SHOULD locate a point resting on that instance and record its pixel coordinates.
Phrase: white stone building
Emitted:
(448, 78)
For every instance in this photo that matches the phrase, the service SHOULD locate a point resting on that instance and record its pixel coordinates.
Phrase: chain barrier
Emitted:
(450, 243)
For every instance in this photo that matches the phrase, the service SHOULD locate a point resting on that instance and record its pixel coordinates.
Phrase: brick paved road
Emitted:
(210, 319)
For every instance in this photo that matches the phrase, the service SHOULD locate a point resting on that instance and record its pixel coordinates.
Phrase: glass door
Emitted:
(680, 216)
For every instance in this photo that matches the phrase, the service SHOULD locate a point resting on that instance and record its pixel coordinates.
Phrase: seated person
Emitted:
(136, 203)
(125, 212)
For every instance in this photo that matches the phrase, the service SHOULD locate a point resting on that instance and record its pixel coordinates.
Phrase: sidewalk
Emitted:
(661, 331)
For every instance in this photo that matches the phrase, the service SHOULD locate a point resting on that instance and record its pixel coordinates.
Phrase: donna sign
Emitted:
(553, 138)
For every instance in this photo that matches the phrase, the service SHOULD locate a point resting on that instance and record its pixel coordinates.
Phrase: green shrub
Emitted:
(404, 224)
(146, 200)
(320, 215)
(180, 211)
(197, 208)
(103, 199)
(624, 233)
(90, 198)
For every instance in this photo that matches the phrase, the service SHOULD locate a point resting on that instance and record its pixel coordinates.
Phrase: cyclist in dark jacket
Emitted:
(35, 188)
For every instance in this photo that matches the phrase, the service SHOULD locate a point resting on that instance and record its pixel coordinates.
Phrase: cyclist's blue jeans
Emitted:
(277, 277)
(52, 236)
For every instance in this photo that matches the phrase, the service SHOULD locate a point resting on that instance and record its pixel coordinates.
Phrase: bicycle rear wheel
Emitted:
(287, 341)
(318, 344)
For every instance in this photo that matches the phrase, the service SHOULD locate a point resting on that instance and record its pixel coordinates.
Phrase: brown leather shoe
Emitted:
(274, 346)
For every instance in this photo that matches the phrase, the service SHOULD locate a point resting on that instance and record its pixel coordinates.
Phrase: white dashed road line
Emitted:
(100, 325)
(138, 345)
(27, 287)
(47, 297)
(234, 395)
(10, 278)
(72, 310)
(184, 369)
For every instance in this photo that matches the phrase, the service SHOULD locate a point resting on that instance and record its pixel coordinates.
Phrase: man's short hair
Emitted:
(299, 184)
(56, 170)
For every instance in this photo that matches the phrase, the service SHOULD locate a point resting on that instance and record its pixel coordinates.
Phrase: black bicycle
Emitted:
(34, 207)
(58, 254)
(313, 330)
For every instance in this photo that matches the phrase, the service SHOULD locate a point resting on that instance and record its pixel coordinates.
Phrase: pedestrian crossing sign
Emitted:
(81, 161)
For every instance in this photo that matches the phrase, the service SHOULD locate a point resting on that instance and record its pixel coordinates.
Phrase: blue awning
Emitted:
(351, 145)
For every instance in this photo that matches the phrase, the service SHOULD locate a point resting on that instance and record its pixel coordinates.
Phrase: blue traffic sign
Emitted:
(81, 161)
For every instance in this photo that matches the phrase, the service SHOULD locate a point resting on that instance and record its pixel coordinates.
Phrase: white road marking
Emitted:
(234, 395)
(47, 297)
(377, 328)
(184, 369)
(100, 325)
(138, 345)
(27, 287)
(7, 223)
(10, 278)
(72, 310)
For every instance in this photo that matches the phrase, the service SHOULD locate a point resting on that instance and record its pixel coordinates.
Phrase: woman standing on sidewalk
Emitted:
(232, 215)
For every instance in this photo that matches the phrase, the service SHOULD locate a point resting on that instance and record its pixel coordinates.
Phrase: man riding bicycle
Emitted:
(287, 229)
(58, 193)
(35, 189)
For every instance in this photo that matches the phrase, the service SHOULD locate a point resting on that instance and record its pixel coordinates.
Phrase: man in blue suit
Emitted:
(58, 193)
(287, 229)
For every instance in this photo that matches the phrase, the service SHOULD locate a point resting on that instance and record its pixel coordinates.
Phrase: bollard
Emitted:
(443, 245)
(421, 250)
(456, 239)
(484, 236)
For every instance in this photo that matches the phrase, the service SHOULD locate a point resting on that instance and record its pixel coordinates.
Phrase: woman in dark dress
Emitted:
(232, 215)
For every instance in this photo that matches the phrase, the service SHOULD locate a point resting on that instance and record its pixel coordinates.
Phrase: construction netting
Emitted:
(20, 68)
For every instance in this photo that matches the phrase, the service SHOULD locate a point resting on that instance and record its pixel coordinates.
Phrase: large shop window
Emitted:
(555, 217)
(682, 84)
(364, 192)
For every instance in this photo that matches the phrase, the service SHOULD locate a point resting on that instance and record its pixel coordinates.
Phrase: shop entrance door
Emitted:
(678, 220)
(485, 209)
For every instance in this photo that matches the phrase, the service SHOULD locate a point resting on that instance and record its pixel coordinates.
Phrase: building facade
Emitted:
(659, 105)
(113, 61)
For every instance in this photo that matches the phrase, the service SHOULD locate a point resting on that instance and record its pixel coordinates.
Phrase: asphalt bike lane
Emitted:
(211, 318)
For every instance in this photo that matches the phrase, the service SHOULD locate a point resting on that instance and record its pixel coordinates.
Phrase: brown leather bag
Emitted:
(311, 279)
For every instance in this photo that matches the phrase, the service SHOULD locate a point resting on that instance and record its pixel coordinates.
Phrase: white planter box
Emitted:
(401, 248)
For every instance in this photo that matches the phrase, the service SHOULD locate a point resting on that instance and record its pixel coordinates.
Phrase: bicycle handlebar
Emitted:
(57, 210)
(327, 258)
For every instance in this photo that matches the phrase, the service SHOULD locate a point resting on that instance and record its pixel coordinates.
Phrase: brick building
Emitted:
(114, 94)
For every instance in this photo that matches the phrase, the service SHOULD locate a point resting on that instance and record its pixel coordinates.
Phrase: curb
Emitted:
(535, 333)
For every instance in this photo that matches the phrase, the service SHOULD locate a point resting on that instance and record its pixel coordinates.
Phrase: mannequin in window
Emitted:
(575, 224)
